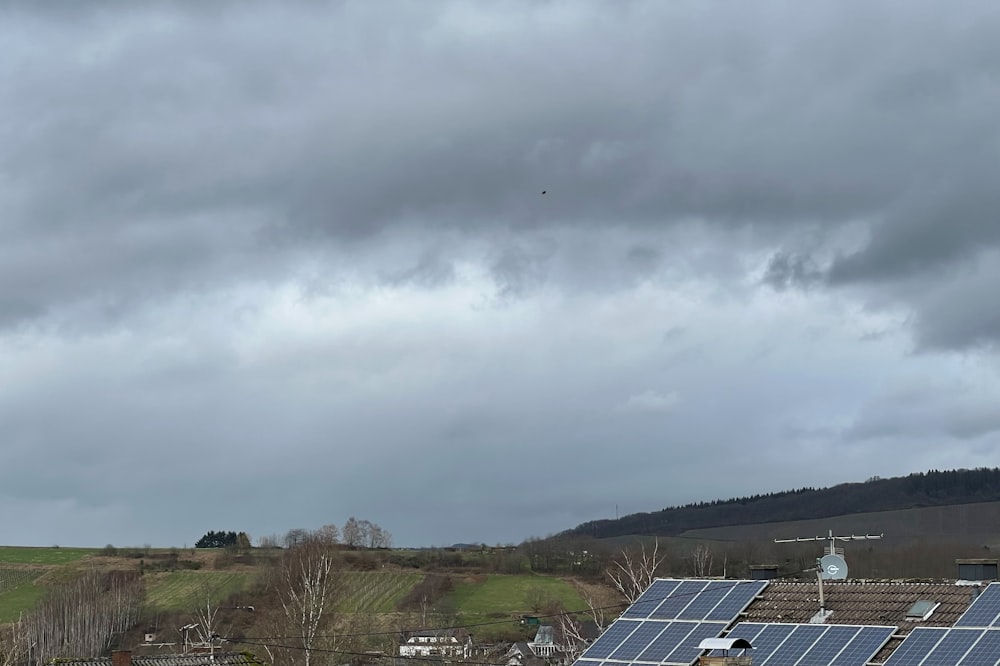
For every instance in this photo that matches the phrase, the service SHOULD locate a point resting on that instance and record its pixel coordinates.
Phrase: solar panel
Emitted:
(679, 599)
(955, 644)
(798, 644)
(916, 646)
(688, 651)
(769, 639)
(638, 641)
(863, 646)
(667, 642)
(651, 598)
(587, 662)
(830, 645)
(792, 648)
(707, 600)
(746, 630)
(985, 609)
(669, 620)
(986, 652)
(612, 637)
(738, 598)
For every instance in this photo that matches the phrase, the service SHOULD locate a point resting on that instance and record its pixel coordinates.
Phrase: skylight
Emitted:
(921, 610)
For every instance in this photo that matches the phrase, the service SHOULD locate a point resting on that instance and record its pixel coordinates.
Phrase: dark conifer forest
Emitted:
(922, 489)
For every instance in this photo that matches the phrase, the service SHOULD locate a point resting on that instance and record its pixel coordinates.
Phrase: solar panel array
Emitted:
(948, 646)
(801, 644)
(984, 611)
(696, 600)
(669, 620)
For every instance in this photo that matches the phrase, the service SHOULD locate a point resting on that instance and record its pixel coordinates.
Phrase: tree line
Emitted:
(931, 488)
(213, 539)
(355, 533)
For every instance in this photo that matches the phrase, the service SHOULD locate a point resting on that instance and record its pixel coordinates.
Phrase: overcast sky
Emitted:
(270, 265)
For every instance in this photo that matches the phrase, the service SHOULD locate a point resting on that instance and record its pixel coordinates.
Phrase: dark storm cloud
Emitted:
(767, 115)
(345, 121)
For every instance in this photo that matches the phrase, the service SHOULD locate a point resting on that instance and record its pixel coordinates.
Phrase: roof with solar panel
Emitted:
(677, 622)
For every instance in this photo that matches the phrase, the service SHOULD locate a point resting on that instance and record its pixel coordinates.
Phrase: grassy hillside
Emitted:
(26, 572)
(496, 602)
(385, 592)
(183, 590)
(377, 591)
(48, 556)
(490, 596)
(14, 601)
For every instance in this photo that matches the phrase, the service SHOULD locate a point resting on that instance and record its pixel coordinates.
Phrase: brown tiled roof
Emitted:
(205, 659)
(860, 602)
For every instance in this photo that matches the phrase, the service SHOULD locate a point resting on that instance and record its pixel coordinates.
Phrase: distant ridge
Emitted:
(921, 489)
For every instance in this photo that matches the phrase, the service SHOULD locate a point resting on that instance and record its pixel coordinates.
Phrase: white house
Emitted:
(434, 644)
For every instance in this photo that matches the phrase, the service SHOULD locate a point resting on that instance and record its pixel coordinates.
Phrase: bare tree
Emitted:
(632, 572)
(379, 537)
(327, 534)
(365, 534)
(573, 640)
(15, 643)
(352, 534)
(295, 536)
(269, 541)
(701, 560)
(206, 615)
(83, 616)
(306, 585)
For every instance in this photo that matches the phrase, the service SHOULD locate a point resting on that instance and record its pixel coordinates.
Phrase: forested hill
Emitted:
(933, 488)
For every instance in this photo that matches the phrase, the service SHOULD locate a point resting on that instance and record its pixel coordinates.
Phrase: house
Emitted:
(549, 646)
(521, 654)
(446, 643)
(681, 622)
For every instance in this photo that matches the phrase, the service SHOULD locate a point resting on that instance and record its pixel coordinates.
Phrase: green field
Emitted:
(28, 555)
(503, 594)
(181, 590)
(20, 588)
(12, 578)
(497, 601)
(376, 591)
(14, 601)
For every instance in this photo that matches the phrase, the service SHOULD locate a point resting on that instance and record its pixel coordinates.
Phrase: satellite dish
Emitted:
(833, 567)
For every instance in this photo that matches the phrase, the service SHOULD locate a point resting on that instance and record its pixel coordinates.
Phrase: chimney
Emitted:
(121, 658)
(977, 569)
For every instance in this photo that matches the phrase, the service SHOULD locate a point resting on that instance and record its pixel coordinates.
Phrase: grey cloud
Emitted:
(934, 230)
(195, 198)
(431, 270)
(922, 414)
(518, 268)
(180, 112)
(962, 312)
(789, 270)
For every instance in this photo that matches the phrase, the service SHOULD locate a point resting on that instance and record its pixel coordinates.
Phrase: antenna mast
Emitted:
(832, 548)
(831, 564)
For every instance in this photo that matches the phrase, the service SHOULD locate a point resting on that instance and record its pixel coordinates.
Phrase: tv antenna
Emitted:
(832, 565)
